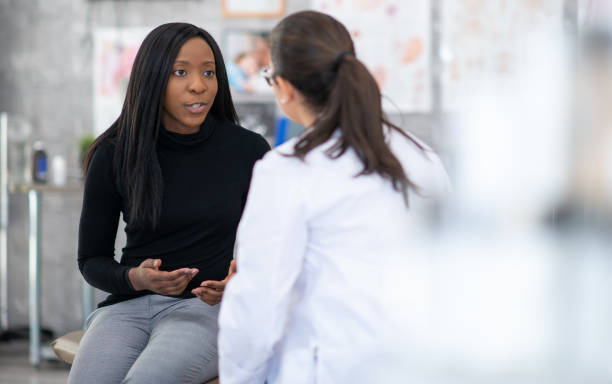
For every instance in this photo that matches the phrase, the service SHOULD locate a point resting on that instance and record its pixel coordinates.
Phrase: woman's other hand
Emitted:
(211, 291)
(148, 276)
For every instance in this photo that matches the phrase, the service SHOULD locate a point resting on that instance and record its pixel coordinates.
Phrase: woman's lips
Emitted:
(195, 107)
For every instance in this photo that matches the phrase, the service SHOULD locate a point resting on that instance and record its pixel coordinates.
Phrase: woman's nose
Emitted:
(197, 84)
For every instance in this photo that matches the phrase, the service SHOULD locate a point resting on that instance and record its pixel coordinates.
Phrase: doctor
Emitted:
(329, 215)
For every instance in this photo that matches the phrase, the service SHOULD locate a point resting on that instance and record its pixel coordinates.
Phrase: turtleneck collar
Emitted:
(184, 141)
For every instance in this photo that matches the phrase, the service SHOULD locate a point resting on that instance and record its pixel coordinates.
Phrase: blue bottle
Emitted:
(39, 165)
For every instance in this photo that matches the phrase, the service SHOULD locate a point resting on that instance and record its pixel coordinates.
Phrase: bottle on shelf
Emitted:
(58, 170)
(39, 163)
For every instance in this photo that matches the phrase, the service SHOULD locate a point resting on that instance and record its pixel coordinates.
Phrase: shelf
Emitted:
(25, 188)
(239, 98)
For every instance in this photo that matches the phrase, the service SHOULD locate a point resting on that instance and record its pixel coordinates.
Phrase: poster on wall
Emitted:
(481, 42)
(114, 53)
(392, 37)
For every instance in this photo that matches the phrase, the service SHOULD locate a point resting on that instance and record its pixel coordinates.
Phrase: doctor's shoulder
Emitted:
(422, 165)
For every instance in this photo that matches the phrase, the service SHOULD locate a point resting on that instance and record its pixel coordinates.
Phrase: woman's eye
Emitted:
(209, 73)
(180, 72)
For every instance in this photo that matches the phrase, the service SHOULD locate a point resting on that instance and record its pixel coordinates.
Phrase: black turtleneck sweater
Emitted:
(206, 179)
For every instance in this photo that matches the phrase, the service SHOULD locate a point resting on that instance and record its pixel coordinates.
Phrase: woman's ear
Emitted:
(286, 90)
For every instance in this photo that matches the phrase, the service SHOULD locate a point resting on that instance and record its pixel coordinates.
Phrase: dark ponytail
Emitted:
(134, 134)
(315, 53)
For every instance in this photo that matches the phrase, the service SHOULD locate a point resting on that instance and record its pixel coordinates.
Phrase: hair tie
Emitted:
(339, 59)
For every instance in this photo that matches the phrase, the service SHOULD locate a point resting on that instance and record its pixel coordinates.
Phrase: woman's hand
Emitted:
(210, 291)
(148, 276)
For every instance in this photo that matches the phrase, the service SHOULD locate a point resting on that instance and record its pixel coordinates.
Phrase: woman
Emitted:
(330, 214)
(177, 167)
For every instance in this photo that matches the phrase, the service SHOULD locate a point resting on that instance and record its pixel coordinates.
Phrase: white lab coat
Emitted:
(316, 249)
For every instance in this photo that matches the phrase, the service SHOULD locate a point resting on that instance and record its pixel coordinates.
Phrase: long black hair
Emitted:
(315, 53)
(134, 134)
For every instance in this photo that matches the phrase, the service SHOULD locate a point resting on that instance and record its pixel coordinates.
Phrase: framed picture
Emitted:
(393, 39)
(253, 8)
(246, 52)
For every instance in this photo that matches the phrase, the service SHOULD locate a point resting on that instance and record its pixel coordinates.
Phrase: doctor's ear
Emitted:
(286, 90)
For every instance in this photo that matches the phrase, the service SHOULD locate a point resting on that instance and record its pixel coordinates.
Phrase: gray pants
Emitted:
(150, 339)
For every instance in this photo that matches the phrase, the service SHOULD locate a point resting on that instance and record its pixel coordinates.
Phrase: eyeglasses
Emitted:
(268, 75)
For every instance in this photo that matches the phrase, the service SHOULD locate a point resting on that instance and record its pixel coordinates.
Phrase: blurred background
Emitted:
(511, 281)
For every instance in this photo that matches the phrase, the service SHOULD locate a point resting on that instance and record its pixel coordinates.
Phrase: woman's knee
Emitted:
(163, 365)
(107, 350)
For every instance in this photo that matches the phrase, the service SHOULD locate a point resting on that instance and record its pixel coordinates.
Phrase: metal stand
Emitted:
(87, 298)
(34, 278)
(3, 222)
(34, 193)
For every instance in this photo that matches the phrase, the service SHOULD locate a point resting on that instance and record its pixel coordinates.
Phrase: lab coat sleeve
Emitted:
(441, 187)
(270, 250)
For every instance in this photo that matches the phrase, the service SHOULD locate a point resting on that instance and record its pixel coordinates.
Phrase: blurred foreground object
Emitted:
(592, 172)
(518, 289)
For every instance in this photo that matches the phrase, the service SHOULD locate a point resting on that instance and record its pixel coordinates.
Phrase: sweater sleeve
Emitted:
(259, 148)
(98, 227)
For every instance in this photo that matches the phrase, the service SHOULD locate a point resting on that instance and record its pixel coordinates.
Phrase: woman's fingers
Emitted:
(151, 263)
(148, 276)
(216, 285)
(233, 268)
(177, 274)
(208, 295)
(174, 282)
(208, 292)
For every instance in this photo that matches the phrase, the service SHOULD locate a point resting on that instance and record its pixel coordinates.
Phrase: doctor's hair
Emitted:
(134, 134)
(315, 53)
